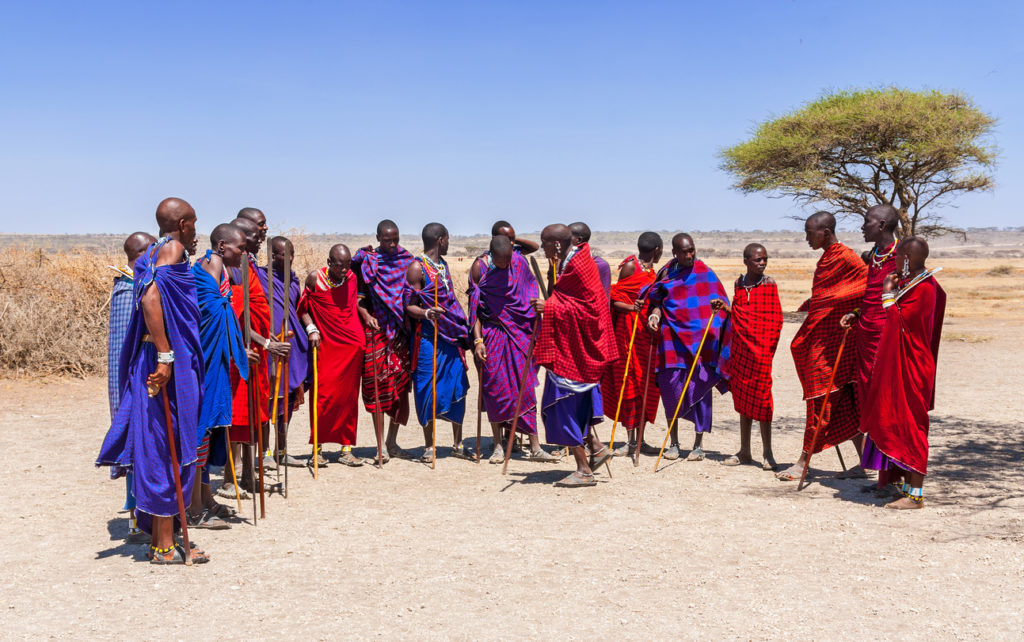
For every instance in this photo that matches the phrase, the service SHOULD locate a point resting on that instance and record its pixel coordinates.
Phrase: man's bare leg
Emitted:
(856, 471)
(766, 446)
(672, 452)
(498, 453)
(913, 493)
(743, 456)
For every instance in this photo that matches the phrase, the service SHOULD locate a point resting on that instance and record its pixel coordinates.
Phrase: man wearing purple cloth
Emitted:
(680, 308)
(161, 352)
(502, 319)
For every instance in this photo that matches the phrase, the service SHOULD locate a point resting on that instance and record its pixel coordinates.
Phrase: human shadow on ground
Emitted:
(117, 527)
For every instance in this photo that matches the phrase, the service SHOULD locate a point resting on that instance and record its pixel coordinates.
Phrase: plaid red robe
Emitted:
(630, 415)
(576, 339)
(756, 325)
(838, 288)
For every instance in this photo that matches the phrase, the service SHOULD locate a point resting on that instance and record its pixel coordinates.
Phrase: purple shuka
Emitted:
(137, 439)
(298, 359)
(501, 301)
(452, 326)
(384, 276)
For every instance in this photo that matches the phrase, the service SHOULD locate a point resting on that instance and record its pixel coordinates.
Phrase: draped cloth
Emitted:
(756, 323)
(631, 415)
(342, 344)
(684, 296)
(501, 302)
(384, 277)
(452, 333)
(121, 301)
(576, 339)
(298, 358)
(137, 439)
(871, 323)
(903, 380)
(260, 320)
(838, 287)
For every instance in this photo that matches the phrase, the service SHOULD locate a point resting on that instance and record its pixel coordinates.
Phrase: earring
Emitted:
(906, 268)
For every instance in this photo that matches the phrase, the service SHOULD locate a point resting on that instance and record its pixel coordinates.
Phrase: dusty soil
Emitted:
(695, 550)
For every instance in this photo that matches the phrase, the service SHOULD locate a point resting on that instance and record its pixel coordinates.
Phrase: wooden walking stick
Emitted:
(378, 416)
(252, 416)
(433, 385)
(285, 321)
(820, 421)
(275, 379)
(643, 406)
(315, 409)
(625, 378)
(519, 396)
(231, 464)
(682, 394)
(479, 408)
(177, 478)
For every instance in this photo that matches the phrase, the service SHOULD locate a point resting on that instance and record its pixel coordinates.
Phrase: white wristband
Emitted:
(165, 357)
(266, 344)
(311, 328)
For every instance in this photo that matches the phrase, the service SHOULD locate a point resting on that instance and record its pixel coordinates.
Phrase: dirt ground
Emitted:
(697, 550)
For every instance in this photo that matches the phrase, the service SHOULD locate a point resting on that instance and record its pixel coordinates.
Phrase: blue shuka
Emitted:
(137, 439)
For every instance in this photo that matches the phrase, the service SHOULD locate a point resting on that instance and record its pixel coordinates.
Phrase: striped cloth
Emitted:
(120, 316)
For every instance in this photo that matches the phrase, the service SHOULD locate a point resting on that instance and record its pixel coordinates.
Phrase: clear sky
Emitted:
(330, 116)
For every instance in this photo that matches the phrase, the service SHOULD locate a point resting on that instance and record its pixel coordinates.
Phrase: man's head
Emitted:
(501, 251)
(387, 236)
(135, 245)
(252, 234)
(649, 246)
(555, 240)
(339, 259)
(880, 222)
(915, 250)
(503, 228)
(435, 235)
(755, 257)
(176, 218)
(683, 249)
(580, 232)
(229, 242)
(257, 217)
(281, 247)
(820, 230)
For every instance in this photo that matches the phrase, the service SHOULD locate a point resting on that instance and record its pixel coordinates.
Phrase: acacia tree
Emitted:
(855, 149)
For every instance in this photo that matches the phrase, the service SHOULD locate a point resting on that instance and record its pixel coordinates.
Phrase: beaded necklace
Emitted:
(877, 260)
(748, 288)
(332, 284)
(440, 269)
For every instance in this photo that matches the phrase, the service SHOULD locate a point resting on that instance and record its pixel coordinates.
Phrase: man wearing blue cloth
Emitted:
(161, 351)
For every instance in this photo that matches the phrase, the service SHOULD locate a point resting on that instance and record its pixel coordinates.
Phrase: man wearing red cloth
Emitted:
(838, 288)
(902, 387)
(576, 344)
(329, 309)
(635, 273)
(756, 315)
(259, 333)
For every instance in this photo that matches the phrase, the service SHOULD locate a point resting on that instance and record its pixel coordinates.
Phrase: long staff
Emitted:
(251, 379)
(315, 409)
(554, 282)
(686, 386)
(275, 379)
(433, 385)
(378, 416)
(285, 320)
(479, 408)
(820, 421)
(643, 406)
(625, 377)
(273, 411)
(231, 457)
(177, 479)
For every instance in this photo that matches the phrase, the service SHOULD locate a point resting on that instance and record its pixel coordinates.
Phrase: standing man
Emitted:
(581, 234)
(501, 288)
(837, 290)
(576, 345)
(521, 245)
(902, 387)
(636, 272)
(756, 323)
(382, 276)
(430, 299)
(162, 352)
(121, 301)
(256, 216)
(330, 315)
(680, 303)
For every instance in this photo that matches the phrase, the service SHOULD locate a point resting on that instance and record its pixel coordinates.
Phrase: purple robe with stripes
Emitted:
(298, 358)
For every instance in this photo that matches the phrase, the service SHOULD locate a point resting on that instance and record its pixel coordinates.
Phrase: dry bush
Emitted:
(1001, 270)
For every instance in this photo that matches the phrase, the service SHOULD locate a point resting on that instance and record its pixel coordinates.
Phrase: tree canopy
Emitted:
(855, 149)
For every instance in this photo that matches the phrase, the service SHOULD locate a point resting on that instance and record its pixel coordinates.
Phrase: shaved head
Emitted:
(339, 253)
(251, 231)
(914, 248)
(171, 212)
(556, 232)
(226, 232)
(385, 225)
(580, 231)
(501, 246)
(432, 234)
(678, 239)
(136, 244)
(887, 214)
(822, 220)
(648, 242)
(253, 214)
(498, 226)
(751, 248)
(281, 244)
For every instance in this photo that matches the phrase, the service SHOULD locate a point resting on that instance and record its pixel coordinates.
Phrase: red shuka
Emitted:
(576, 339)
(259, 314)
(342, 342)
(626, 291)
(903, 380)
(756, 324)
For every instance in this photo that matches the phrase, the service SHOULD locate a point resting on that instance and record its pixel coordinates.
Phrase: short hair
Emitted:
(496, 228)
(386, 224)
(824, 219)
(225, 231)
(432, 233)
(649, 241)
(279, 240)
(500, 244)
(246, 224)
(890, 215)
(916, 245)
(250, 213)
(751, 248)
(580, 229)
(680, 236)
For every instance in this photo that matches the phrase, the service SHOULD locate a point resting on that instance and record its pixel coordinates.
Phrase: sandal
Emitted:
(498, 456)
(600, 458)
(207, 520)
(401, 453)
(734, 460)
(540, 455)
(790, 474)
(853, 473)
(461, 452)
(175, 556)
(427, 456)
(697, 454)
(577, 480)
(348, 459)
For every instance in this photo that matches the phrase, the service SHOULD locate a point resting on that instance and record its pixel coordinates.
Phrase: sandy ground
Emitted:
(697, 550)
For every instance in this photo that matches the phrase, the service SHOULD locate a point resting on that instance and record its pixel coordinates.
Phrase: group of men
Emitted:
(223, 349)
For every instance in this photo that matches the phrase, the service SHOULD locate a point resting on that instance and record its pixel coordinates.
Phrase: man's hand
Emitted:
(638, 305)
(314, 339)
(160, 376)
(719, 304)
(654, 321)
(480, 351)
(890, 283)
(538, 305)
(433, 314)
(279, 348)
(847, 320)
(254, 357)
(369, 321)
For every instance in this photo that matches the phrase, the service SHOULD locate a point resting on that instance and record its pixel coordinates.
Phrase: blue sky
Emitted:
(330, 116)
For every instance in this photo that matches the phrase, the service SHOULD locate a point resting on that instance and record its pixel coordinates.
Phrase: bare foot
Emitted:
(792, 473)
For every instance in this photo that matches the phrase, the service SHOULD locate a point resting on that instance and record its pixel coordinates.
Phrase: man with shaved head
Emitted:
(381, 272)
(837, 290)
(520, 244)
(576, 344)
(120, 314)
(435, 311)
(682, 304)
(161, 356)
(902, 386)
(329, 308)
(502, 319)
